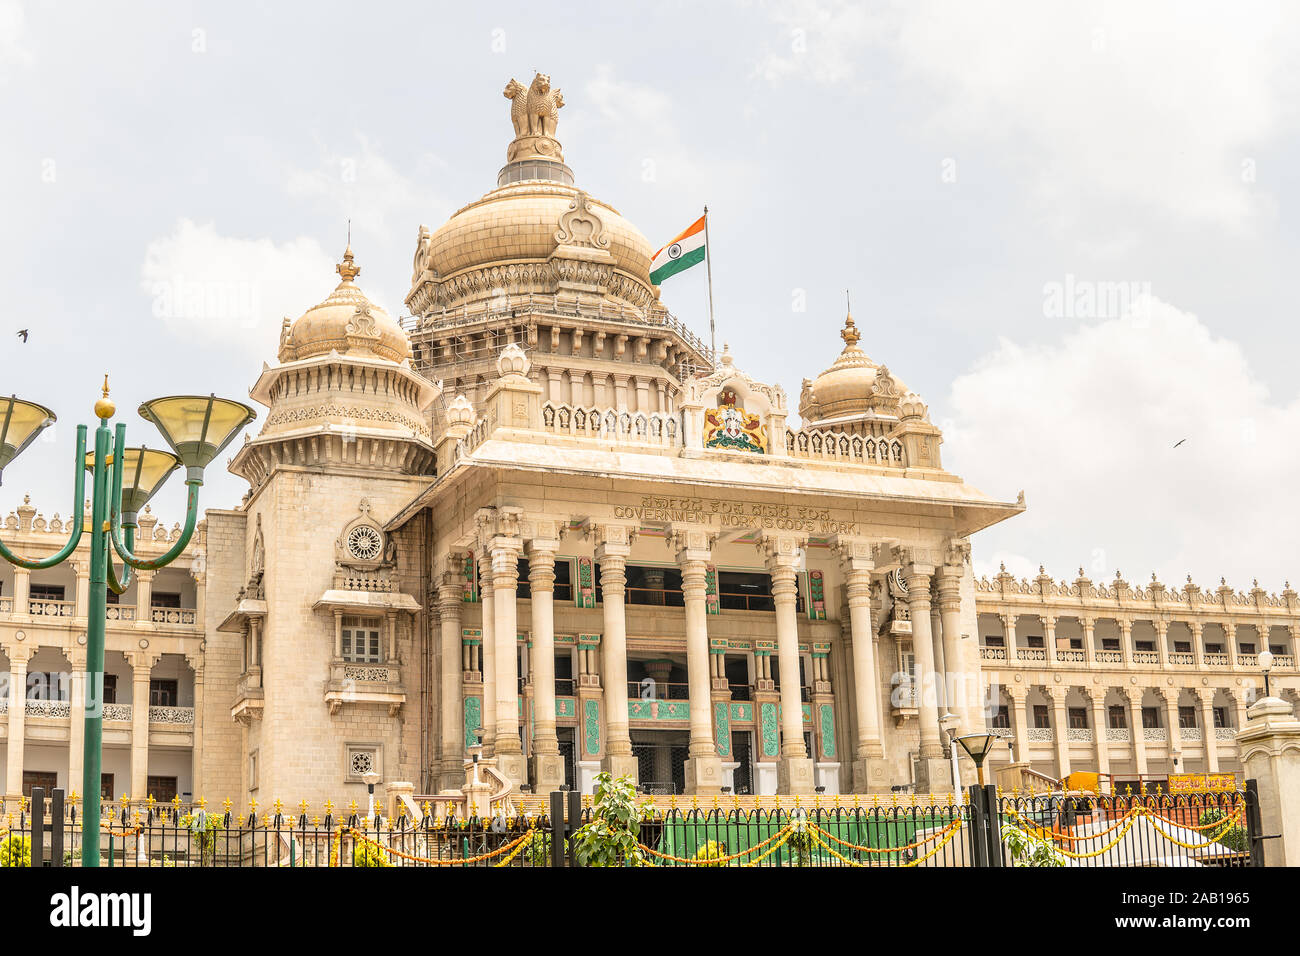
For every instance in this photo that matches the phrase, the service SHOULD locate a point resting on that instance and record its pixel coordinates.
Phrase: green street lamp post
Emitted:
(197, 427)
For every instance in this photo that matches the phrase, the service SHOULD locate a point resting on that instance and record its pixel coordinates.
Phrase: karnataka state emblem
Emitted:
(731, 427)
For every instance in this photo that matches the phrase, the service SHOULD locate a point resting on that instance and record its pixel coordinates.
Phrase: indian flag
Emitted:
(685, 250)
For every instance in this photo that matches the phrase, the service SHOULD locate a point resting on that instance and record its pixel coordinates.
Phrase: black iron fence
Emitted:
(983, 829)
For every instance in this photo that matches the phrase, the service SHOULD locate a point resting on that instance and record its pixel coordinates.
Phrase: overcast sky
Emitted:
(1069, 226)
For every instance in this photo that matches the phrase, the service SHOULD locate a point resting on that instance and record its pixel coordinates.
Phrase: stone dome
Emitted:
(525, 223)
(347, 322)
(853, 386)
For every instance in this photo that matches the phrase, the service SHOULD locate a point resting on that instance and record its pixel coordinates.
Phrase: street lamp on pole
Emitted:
(122, 480)
(949, 722)
(977, 747)
(1266, 665)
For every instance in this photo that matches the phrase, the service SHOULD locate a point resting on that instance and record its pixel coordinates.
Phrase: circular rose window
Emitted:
(365, 543)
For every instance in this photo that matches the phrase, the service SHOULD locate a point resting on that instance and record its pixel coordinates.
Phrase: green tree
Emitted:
(16, 850)
(1029, 850)
(612, 836)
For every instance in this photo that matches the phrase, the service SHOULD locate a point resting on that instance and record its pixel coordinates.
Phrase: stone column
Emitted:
(1230, 645)
(82, 570)
(693, 548)
(548, 769)
(1089, 626)
(1198, 645)
(1100, 723)
(1173, 739)
(196, 750)
(1009, 635)
(19, 655)
(611, 554)
(1049, 637)
(22, 594)
(144, 599)
(1134, 696)
(505, 587)
(451, 598)
(1019, 696)
(869, 770)
(141, 667)
(795, 768)
(1269, 745)
(487, 601)
(964, 692)
(1126, 640)
(1162, 644)
(1060, 728)
(933, 770)
(77, 718)
(1209, 739)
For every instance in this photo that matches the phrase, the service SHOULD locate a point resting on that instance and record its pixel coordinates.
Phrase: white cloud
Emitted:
(1161, 104)
(227, 290)
(1088, 425)
(15, 45)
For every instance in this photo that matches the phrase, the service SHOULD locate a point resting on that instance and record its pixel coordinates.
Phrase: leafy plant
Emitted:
(367, 854)
(1029, 850)
(711, 854)
(612, 836)
(1233, 836)
(203, 827)
(539, 849)
(16, 850)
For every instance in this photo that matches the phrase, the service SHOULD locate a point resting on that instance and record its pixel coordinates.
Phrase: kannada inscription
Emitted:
(721, 513)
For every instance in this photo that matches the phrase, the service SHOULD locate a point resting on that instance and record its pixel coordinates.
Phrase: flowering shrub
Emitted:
(1233, 837)
(16, 850)
(711, 854)
(367, 854)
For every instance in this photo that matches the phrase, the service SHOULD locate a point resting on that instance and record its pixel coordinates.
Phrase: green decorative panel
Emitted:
(566, 707)
(711, 604)
(722, 728)
(805, 711)
(471, 579)
(767, 729)
(742, 710)
(473, 720)
(584, 595)
(591, 728)
(828, 731)
(674, 710)
(640, 709)
(816, 596)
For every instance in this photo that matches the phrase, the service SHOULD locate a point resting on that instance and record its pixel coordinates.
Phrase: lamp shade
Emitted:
(1265, 660)
(977, 746)
(197, 427)
(20, 423)
(144, 470)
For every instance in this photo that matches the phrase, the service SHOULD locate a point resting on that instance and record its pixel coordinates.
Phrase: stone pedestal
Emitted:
(397, 797)
(620, 765)
(704, 776)
(1270, 754)
(933, 775)
(871, 775)
(513, 767)
(794, 775)
(548, 773)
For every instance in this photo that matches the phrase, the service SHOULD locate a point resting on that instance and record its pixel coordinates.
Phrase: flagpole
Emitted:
(708, 265)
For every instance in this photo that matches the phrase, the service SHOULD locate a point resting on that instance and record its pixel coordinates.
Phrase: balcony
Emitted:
(1079, 735)
(1182, 659)
(1031, 654)
(1110, 657)
(47, 608)
(1118, 735)
(364, 683)
(1040, 735)
(1146, 657)
(1070, 657)
(249, 697)
(1215, 660)
(993, 653)
(40, 607)
(1189, 733)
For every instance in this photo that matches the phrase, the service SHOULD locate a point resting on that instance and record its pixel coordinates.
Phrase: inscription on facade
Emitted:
(721, 513)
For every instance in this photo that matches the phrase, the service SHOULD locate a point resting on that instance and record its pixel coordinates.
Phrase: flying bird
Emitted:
(22, 334)
(1179, 442)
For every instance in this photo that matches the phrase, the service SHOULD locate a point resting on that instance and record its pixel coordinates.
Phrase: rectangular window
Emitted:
(1220, 717)
(745, 591)
(563, 580)
(1076, 643)
(106, 786)
(1248, 648)
(654, 586)
(162, 789)
(39, 778)
(1110, 643)
(1002, 718)
(165, 599)
(1145, 645)
(46, 592)
(994, 640)
(1041, 720)
(1214, 648)
(1117, 716)
(1034, 640)
(110, 688)
(1182, 647)
(1150, 718)
(163, 693)
(1186, 717)
(361, 639)
(1277, 649)
(1078, 717)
